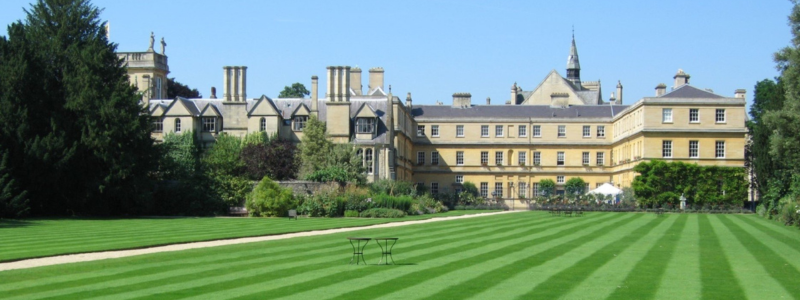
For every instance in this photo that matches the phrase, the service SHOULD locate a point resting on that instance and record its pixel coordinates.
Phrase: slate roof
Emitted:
(688, 91)
(438, 112)
(287, 106)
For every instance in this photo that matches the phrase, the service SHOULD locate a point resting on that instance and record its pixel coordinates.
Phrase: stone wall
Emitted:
(306, 187)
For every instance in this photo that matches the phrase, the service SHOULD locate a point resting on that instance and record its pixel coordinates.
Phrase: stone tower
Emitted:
(147, 71)
(338, 104)
(574, 65)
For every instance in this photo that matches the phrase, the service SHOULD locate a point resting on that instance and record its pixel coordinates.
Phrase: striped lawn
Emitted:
(38, 238)
(529, 255)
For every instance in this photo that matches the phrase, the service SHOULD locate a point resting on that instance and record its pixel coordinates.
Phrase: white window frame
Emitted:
(177, 125)
(299, 123)
(209, 124)
(498, 158)
(694, 115)
(719, 149)
(420, 130)
(587, 131)
(537, 130)
(560, 179)
(601, 131)
(262, 124)
(522, 189)
(498, 189)
(484, 130)
(459, 178)
(720, 116)
(158, 125)
(601, 158)
(420, 158)
(484, 157)
(535, 189)
(522, 158)
(666, 149)
(459, 158)
(459, 130)
(537, 158)
(562, 131)
(694, 149)
(365, 125)
(485, 189)
(523, 130)
(434, 158)
(666, 115)
(585, 158)
(498, 130)
(434, 130)
(560, 159)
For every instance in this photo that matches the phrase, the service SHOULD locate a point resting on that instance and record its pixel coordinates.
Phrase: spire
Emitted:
(573, 65)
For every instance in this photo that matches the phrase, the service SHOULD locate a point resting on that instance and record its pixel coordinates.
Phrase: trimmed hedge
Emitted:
(383, 213)
(661, 183)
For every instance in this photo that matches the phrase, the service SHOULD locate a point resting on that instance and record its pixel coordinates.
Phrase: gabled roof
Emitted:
(378, 91)
(158, 109)
(301, 110)
(267, 107)
(186, 104)
(688, 91)
(365, 111)
(571, 90)
(210, 111)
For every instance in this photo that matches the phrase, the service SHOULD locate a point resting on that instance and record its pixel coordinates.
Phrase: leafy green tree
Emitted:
(175, 89)
(768, 172)
(547, 187)
(575, 186)
(297, 90)
(68, 115)
(268, 199)
(314, 147)
(275, 159)
(13, 203)
(470, 188)
(180, 159)
(224, 156)
(342, 165)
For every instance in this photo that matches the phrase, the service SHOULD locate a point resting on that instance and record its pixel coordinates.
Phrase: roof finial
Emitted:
(573, 31)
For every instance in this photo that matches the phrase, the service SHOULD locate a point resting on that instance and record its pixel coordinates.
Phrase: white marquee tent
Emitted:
(606, 189)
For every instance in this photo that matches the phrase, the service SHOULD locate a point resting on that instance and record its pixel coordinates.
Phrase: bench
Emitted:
(237, 211)
(293, 214)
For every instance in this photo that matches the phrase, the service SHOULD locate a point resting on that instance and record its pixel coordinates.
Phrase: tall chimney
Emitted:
(355, 81)
(236, 73)
(514, 94)
(329, 86)
(661, 89)
(375, 78)
(408, 101)
(226, 83)
(740, 94)
(681, 78)
(243, 84)
(314, 95)
(619, 92)
(463, 100)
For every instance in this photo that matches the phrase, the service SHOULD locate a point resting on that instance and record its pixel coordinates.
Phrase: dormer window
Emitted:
(299, 122)
(158, 125)
(209, 124)
(365, 125)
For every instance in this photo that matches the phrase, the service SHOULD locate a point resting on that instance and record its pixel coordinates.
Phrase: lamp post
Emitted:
(511, 188)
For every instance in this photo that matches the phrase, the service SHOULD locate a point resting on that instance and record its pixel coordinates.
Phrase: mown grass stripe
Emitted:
(270, 283)
(273, 251)
(156, 283)
(790, 239)
(491, 278)
(716, 275)
(681, 279)
(641, 281)
(779, 269)
(562, 282)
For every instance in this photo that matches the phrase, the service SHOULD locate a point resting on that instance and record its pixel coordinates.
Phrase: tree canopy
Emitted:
(175, 89)
(77, 139)
(297, 90)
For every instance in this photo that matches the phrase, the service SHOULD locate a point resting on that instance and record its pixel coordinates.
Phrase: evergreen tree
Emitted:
(175, 89)
(13, 203)
(77, 138)
(768, 172)
(314, 147)
(297, 90)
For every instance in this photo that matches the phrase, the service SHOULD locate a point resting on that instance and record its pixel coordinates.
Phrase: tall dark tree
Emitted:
(297, 90)
(768, 173)
(175, 89)
(77, 138)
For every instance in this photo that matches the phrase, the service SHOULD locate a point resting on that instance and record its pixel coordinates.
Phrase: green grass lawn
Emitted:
(529, 255)
(37, 238)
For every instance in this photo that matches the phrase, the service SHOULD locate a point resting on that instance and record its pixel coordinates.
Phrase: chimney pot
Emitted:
(213, 93)
(488, 101)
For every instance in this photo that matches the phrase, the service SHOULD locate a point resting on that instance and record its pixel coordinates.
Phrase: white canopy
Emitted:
(606, 189)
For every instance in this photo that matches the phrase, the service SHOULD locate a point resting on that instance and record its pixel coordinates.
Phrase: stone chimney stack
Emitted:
(409, 103)
(619, 92)
(514, 94)
(355, 81)
(463, 100)
(213, 93)
(338, 83)
(375, 79)
(314, 95)
(661, 89)
(740, 94)
(488, 101)
(681, 78)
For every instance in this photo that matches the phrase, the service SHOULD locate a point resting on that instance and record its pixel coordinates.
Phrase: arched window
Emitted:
(368, 159)
(263, 124)
(177, 125)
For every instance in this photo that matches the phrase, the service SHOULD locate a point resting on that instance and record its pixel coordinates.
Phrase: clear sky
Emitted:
(436, 48)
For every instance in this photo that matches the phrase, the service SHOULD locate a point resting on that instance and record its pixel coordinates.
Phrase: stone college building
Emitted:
(560, 129)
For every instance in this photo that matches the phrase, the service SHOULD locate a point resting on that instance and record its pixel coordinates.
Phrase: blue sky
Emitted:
(436, 48)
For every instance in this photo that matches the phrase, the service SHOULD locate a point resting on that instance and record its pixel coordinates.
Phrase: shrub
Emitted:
(383, 213)
(351, 214)
(393, 188)
(402, 203)
(323, 205)
(232, 190)
(268, 199)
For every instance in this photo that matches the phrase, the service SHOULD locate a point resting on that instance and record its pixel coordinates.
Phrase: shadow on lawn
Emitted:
(14, 223)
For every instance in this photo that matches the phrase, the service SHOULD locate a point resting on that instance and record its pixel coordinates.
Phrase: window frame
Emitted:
(522, 158)
(459, 178)
(666, 115)
(262, 124)
(459, 130)
(484, 157)
(587, 131)
(694, 115)
(484, 130)
(562, 131)
(522, 130)
(498, 189)
(601, 158)
(666, 148)
(601, 131)
(420, 130)
(420, 158)
(434, 130)
(368, 161)
(158, 124)
(434, 158)
(720, 112)
(537, 130)
(717, 149)
(498, 131)
(484, 189)
(177, 123)
(498, 158)
(537, 158)
(585, 158)
(459, 158)
(560, 158)
(696, 150)
(209, 124)
(369, 127)
(299, 123)
(560, 179)
(434, 187)
(522, 189)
